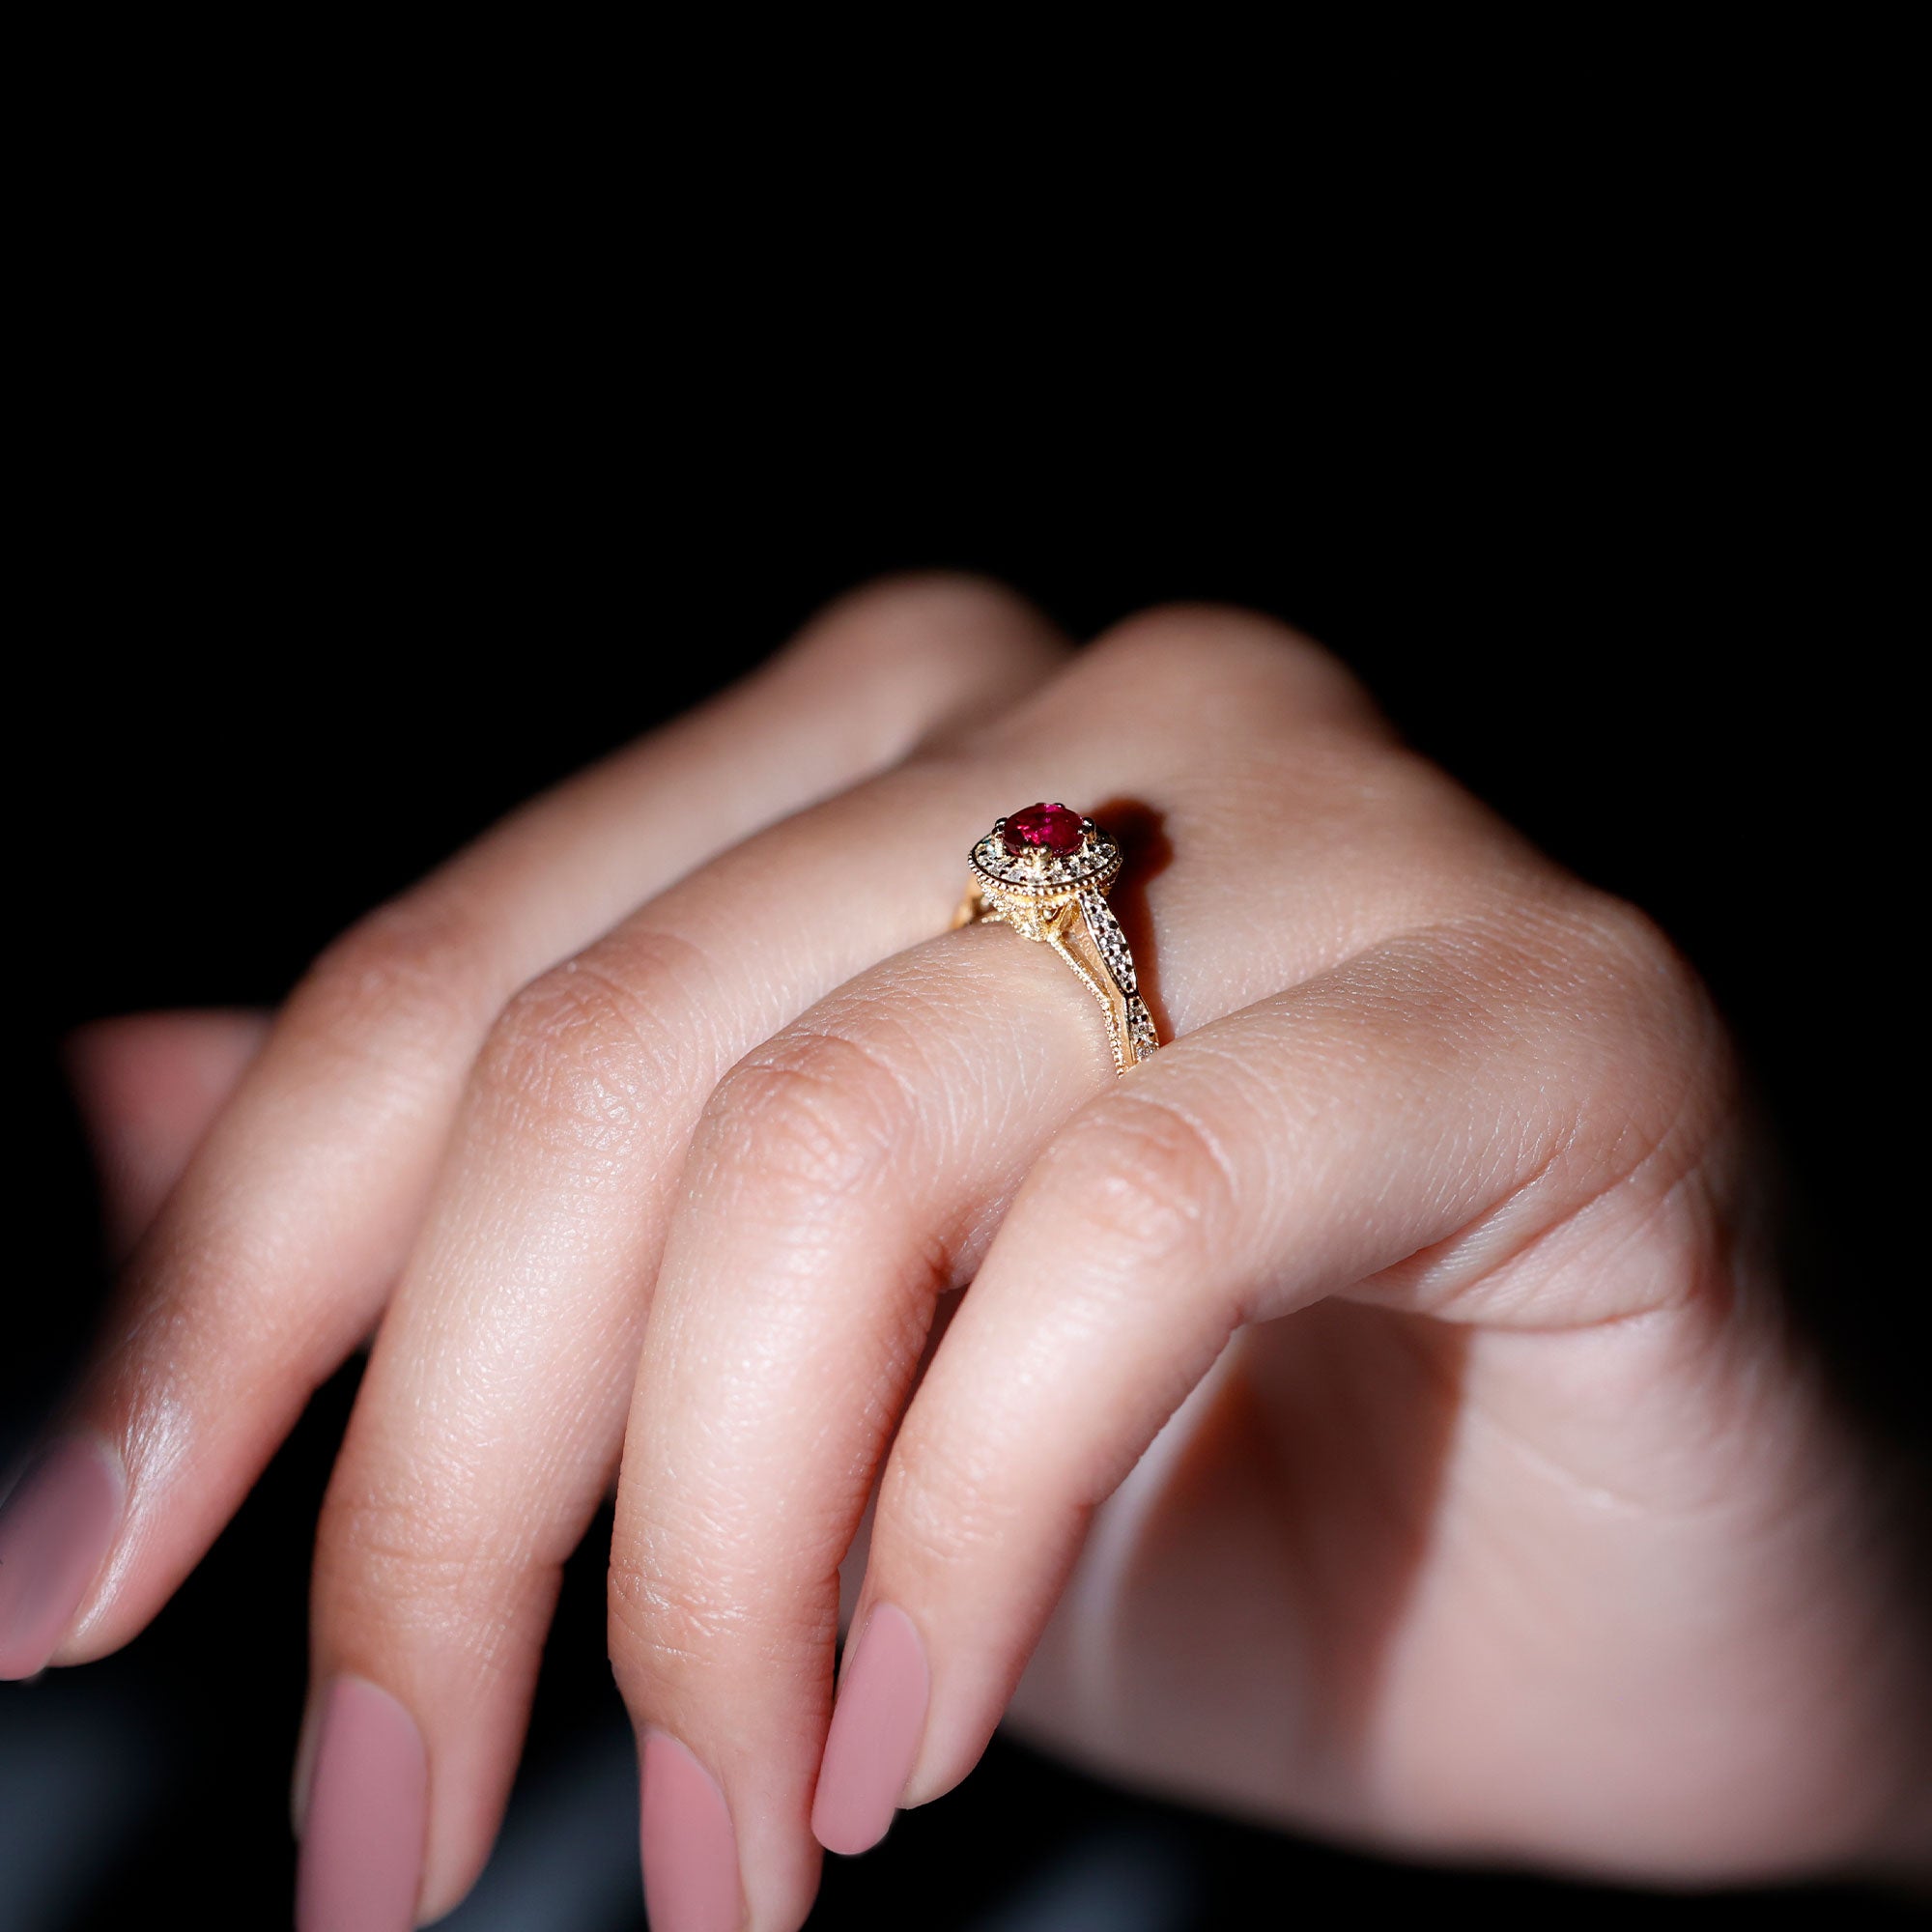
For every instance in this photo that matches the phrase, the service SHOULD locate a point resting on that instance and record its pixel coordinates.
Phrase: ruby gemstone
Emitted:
(1052, 826)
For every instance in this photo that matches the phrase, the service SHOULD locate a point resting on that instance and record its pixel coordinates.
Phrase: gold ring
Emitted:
(1046, 872)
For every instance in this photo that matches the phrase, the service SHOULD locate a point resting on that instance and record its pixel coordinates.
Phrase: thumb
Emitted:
(148, 1086)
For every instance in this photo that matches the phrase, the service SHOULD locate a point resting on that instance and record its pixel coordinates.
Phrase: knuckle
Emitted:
(577, 1057)
(909, 652)
(1627, 982)
(409, 1557)
(408, 967)
(656, 1630)
(945, 1506)
(1670, 1046)
(1637, 951)
(661, 1629)
(814, 1116)
(1139, 1175)
(1639, 1066)
(1215, 652)
(922, 618)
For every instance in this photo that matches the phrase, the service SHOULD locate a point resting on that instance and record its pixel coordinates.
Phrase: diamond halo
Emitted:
(1045, 871)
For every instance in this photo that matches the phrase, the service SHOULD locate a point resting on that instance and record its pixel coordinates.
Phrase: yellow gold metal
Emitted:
(1060, 899)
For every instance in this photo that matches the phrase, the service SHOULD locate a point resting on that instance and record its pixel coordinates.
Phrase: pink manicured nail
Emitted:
(362, 1835)
(690, 1851)
(875, 1731)
(55, 1530)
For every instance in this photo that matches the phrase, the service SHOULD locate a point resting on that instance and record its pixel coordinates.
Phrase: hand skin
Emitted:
(1374, 1415)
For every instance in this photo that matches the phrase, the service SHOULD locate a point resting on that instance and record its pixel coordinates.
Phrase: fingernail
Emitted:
(874, 1738)
(690, 1851)
(55, 1530)
(363, 1835)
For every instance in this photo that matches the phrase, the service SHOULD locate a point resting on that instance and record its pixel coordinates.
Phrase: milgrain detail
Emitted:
(1039, 874)
(1058, 894)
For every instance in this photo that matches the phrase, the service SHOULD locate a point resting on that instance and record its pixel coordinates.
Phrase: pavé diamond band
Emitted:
(1046, 872)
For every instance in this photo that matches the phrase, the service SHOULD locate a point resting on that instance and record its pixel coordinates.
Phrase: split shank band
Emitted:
(1046, 872)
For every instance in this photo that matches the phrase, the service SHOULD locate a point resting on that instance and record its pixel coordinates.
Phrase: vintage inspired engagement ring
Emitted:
(1046, 872)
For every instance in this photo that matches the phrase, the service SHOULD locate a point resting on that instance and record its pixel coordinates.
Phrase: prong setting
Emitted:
(1054, 861)
(1046, 872)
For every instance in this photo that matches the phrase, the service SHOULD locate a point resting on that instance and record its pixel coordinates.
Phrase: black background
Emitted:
(320, 609)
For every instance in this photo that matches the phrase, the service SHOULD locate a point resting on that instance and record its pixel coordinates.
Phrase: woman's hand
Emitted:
(1489, 1510)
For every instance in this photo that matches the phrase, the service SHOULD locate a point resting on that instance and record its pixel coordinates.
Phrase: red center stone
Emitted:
(1052, 826)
